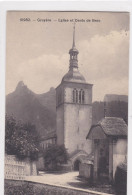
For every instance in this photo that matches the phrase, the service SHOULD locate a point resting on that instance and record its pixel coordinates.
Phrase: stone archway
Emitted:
(76, 165)
(77, 158)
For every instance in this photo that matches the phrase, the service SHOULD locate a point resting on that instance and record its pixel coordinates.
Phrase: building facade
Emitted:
(47, 140)
(109, 138)
(74, 107)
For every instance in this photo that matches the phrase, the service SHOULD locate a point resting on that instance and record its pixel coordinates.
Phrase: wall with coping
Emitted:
(18, 170)
(119, 153)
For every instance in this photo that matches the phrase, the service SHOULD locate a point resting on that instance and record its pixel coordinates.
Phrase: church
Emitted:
(85, 143)
(73, 114)
(74, 109)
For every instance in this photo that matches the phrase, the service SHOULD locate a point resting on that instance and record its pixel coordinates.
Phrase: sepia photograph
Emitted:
(66, 113)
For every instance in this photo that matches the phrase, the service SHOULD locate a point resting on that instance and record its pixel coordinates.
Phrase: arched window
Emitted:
(80, 94)
(74, 56)
(74, 95)
(83, 97)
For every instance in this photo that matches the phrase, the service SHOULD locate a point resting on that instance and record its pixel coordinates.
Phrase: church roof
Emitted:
(74, 76)
(49, 135)
(73, 49)
(112, 126)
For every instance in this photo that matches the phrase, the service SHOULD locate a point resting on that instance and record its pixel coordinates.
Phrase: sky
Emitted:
(37, 51)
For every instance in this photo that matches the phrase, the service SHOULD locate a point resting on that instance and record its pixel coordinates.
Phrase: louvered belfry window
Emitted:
(78, 96)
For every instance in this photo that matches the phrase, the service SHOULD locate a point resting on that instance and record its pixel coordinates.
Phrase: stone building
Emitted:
(45, 142)
(48, 139)
(74, 108)
(109, 139)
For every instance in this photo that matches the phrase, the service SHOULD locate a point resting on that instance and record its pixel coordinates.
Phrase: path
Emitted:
(58, 179)
(67, 180)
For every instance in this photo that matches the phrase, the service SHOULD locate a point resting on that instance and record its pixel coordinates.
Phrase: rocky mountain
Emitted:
(48, 99)
(40, 109)
(34, 108)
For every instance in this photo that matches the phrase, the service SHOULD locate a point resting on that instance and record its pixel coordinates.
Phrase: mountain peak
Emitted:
(20, 84)
(21, 88)
(34, 108)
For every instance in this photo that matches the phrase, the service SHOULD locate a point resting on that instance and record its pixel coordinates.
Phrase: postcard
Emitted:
(66, 114)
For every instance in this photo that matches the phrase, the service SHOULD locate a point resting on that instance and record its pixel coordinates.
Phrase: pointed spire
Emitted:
(73, 53)
(73, 36)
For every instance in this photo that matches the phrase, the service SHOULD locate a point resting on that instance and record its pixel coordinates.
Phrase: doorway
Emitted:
(103, 161)
(76, 165)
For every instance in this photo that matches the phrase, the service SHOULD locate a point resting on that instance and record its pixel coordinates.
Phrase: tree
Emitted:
(113, 109)
(21, 139)
(54, 156)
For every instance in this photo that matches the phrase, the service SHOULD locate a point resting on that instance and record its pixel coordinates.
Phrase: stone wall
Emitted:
(74, 118)
(40, 164)
(60, 125)
(77, 122)
(119, 153)
(86, 170)
(18, 170)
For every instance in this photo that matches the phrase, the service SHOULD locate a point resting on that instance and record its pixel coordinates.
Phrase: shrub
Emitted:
(54, 156)
(21, 139)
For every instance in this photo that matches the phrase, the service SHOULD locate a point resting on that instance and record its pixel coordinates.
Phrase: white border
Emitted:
(58, 6)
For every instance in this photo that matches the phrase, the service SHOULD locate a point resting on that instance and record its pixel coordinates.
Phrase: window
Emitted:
(75, 57)
(83, 96)
(74, 95)
(78, 96)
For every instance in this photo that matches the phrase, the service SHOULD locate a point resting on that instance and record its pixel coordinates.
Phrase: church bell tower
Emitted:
(74, 107)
